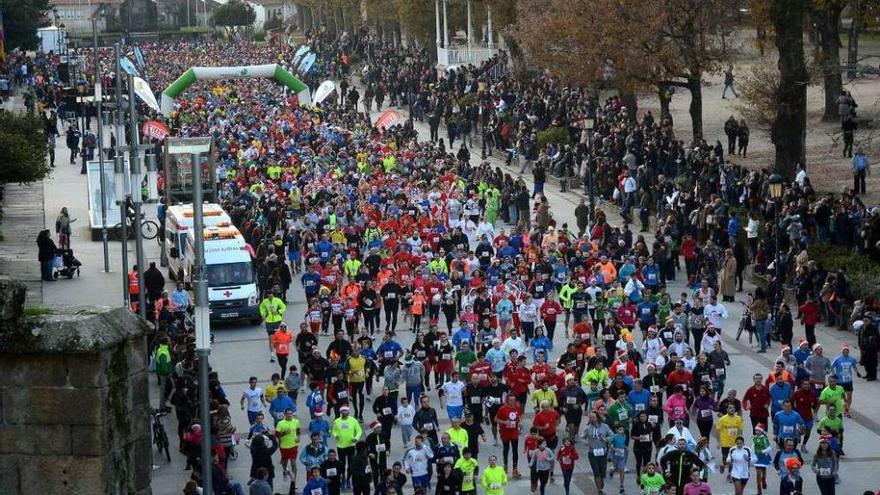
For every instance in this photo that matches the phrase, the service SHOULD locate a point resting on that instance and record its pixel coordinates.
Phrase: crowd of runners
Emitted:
(561, 343)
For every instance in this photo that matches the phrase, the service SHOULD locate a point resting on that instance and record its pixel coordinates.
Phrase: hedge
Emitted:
(863, 272)
(557, 135)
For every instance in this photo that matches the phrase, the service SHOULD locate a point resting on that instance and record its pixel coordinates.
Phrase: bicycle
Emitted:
(745, 323)
(149, 228)
(160, 437)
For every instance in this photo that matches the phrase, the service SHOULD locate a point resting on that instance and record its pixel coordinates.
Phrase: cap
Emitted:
(817, 346)
(569, 377)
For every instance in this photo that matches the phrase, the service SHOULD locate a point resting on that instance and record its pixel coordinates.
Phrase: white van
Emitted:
(232, 289)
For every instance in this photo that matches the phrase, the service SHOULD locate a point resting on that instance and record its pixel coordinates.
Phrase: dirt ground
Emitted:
(827, 168)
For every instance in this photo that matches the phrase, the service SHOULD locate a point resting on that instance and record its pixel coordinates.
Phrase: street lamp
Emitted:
(775, 189)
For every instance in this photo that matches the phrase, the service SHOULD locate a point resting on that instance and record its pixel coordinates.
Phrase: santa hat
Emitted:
(621, 353)
(375, 424)
(319, 411)
(802, 342)
(759, 427)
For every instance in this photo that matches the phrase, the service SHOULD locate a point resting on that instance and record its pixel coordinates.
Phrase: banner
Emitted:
(298, 55)
(307, 63)
(139, 58)
(127, 66)
(389, 118)
(324, 90)
(155, 130)
(142, 89)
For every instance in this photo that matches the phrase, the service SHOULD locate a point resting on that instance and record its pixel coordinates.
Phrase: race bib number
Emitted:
(344, 426)
(623, 415)
(391, 296)
(342, 394)
(317, 491)
(511, 424)
(667, 335)
(495, 486)
(644, 438)
(788, 429)
(420, 354)
(608, 337)
(732, 432)
(388, 354)
(447, 460)
(705, 378)
(619, 452)
(380, 447)
(654, 389)
(824, 471)
(653, 419)
(429, 426)
(330, 472)
(599, 452)
(640, 407)
(446, 356)
(386, 411)
(571, 400)
(706, 413)
(475, 400)
(719, 372)
(678, 411)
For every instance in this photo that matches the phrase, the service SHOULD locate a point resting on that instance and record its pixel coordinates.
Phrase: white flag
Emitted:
(142, 89)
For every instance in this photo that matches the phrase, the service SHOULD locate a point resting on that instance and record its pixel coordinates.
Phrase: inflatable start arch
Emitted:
(207, 73)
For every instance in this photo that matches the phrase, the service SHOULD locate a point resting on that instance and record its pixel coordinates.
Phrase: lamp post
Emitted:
(121, 178)
(203, 319)
(775, 190)
(136, 195)
(100, 97)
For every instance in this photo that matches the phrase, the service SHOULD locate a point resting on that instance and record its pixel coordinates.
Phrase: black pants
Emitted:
(543, 477)
(357, 399)
(810, 331)
(826, 485)
(859, 182)
(550, 326)
(869, 361)
(370, 320)
(731, 144)
(705, 427)
(345, 455)
(643, 457)
(513, 446)
(390, 317)
(282, 362)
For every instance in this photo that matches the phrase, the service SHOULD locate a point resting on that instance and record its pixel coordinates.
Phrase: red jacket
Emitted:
(809, 313)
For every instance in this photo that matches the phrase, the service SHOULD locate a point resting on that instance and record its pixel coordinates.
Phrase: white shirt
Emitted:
(632, 285)
(416, 460)
(511, 343)
(740, 460)
(254, 399)
(528, 312)
(715, 313)
(629, 185)
(453, 392)
(405, 415)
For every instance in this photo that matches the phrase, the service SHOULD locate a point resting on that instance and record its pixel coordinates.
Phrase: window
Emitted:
(230, 274)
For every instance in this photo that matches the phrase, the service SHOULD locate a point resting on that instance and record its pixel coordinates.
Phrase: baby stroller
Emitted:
(69, 264)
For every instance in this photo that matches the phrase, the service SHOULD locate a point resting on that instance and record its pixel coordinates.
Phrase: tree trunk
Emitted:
(829, 43)
(664, 94)
(696, 108)
(852, 42)
(788, 132)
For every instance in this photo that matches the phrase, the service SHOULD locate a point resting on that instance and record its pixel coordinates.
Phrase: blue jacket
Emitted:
(787, 425)
(779, 392)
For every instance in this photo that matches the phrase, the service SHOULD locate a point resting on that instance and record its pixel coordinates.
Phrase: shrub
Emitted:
(863, 272)
(22, 148)
(467, 100)
(557, 135)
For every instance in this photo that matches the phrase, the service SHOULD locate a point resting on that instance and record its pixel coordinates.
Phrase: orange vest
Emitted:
(133, 282)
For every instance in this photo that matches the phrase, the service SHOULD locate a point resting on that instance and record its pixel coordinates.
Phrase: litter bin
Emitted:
(563, 184)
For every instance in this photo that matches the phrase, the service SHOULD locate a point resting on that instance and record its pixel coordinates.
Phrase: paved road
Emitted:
(240, 350)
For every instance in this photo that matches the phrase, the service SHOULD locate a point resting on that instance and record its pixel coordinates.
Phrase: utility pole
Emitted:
(99, 94)
(203, 321)
(136, 196)
(121, 179)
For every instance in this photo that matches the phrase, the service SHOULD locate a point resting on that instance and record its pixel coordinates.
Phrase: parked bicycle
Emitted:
(149, 228)
(160, 437)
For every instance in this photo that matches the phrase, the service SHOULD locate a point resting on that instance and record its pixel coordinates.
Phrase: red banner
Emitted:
(155, 130)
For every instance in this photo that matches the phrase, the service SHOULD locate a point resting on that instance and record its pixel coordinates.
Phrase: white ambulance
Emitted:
(232, 289)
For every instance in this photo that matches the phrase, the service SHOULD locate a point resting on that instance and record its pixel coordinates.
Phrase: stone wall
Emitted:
(74, 406)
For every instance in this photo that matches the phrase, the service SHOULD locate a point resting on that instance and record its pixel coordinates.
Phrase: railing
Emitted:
(461, 55)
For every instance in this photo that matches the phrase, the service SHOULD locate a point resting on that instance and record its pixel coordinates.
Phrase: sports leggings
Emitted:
(512, 445)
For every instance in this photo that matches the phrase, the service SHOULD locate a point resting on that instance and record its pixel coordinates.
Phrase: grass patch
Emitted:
(863, 272)
(35, 311)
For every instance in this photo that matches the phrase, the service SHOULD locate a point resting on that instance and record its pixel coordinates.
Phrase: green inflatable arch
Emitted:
(207, 73)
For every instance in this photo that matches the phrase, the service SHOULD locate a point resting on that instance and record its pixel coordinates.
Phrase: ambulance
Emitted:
(232, 288)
